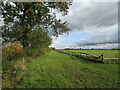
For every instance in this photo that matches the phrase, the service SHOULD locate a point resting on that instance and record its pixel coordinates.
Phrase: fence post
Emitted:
(116, 55)
(102, 56)
(103, 59)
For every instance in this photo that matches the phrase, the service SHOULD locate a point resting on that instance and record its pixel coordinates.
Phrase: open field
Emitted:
(58, 70)
(106, 53)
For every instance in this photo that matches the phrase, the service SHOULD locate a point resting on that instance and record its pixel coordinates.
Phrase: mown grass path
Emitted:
(58, 70)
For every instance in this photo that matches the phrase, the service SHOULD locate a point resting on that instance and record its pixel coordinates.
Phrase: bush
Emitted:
(13, 51)
(12, 64)
(12, 72)
(34, 52)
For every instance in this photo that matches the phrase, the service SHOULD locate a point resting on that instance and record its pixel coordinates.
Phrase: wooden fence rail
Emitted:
(94, 58)
(85, 55)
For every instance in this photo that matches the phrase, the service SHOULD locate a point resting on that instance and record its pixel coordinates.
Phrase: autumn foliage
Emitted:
(13, 51)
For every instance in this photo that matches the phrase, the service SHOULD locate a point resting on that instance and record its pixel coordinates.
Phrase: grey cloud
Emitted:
(106, 37)
(103, 36)
(99, 14)
(94, 18)
(101, 46)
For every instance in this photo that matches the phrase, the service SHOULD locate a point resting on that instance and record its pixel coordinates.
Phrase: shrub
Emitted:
(13, 51)
(12, 72)
(12, 64)
(34, 52)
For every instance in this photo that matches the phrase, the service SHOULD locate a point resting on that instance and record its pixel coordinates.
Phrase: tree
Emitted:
(22, 18)
(39, 38)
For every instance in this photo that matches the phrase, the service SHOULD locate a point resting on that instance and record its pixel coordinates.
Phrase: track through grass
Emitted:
(58, 70)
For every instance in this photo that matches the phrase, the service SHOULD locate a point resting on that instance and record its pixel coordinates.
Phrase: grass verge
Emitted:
(58, 70)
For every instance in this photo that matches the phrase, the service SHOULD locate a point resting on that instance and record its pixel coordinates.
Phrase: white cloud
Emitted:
(99, 20)
(97, 38)
(95, 0)
(95, 14)
(101, 46)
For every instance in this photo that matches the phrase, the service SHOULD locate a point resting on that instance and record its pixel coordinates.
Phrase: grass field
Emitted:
(106, 53)
(58, 70)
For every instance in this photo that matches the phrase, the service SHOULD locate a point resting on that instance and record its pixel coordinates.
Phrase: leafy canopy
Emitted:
(24, 20)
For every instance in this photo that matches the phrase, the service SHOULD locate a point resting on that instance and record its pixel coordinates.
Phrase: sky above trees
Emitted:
(93, 25)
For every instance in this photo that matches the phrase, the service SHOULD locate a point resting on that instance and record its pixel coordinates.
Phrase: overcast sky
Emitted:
(93, 25)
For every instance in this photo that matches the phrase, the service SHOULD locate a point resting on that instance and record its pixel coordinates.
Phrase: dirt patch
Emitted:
(28, 61)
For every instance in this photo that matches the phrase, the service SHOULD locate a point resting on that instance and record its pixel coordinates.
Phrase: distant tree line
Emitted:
(90, 49)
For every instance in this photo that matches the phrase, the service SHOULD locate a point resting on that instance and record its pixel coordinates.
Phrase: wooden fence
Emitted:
(94, 58)
(111, 60)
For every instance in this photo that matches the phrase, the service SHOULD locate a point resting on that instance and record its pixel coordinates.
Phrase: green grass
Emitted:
(106, 53)
(58, 70)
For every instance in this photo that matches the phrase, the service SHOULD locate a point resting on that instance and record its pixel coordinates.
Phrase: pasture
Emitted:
(106, 53)
(59, 70)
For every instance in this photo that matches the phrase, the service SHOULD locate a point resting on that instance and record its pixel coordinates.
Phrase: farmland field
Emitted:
(58, 70)
(106, 53)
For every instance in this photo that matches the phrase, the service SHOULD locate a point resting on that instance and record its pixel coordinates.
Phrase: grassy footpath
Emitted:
(107, 53)
(58, 70)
